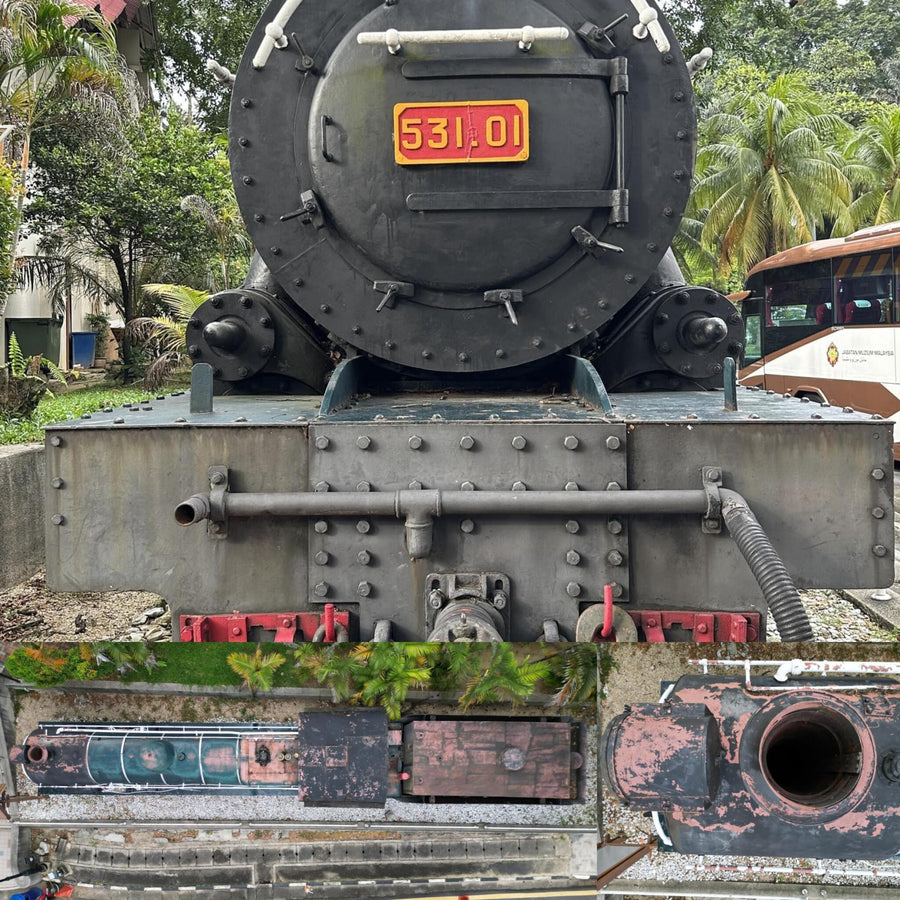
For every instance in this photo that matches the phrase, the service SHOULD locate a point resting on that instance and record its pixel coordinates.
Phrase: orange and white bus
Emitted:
(823, 322)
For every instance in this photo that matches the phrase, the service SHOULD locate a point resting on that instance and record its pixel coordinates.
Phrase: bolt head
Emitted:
(322, 442)
(614, 526)
(573, 527)
(878, 474)
(467, 486)
(572, 486)
(878, 512)
(364, 557)
(321, 526)
(879, 550)
(321, 487)
(322, 558)
(617, 589)
(519, 486)
(364, 486)
(614, 486)
(58, 520)
(467, 526)
(573, 558)
(434, 600)
(573, 589)
(364, 589)
(57, 483)
(570, 442)
(415, 485)
(613, 442)
(56, 441)
(467, 442)
(614, 558)
(364, 442)
(363, 526)
(217, 478)
(463, 357)
(321, 589)
(519, 442)
(415, 442)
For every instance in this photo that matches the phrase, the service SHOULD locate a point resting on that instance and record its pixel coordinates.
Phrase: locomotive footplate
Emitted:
(362, 508)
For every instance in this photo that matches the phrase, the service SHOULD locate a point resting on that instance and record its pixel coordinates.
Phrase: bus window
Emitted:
(864, 289)
(751, 313)
(798, 303)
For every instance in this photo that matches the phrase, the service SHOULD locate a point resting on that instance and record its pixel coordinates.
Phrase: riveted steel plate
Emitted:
(546, 581)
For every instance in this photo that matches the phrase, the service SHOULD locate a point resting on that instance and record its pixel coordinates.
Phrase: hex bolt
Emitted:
(321, 589)
(364, 589)
(363, 526)
(435, 599)
(573, 589)
(570, 442)
(427, 354)
(519, 442)
(878, 474)
(364, 486)
(57, 483)
(572, 527)
(878, 512)
(414, 442)
(467, 486)
(415, 485)
(467, 526)
(463, 357)
(322, 487)
(215, 528)
(572, 486)
(573, 558)
(322, 558)
(613, 443)
(58, 520)
(321, 526)
(216, 302)
(614, 558)
(325, 308)
(121, 421)
(356, 329)
(614, 526)
(467, 442)
(364, 442)
(364, 557)
(617, 589)
(879, 550)
(500, 353)
(614, 486)
(499, 600)
(56, 441)
(536, 343)
(243, 371)
(519, 486)
(322, 442)
(193, 350)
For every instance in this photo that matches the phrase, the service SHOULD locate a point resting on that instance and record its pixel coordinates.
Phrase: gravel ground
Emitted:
(834, 618)
(636, 679)
(49, 706)
(30, 611)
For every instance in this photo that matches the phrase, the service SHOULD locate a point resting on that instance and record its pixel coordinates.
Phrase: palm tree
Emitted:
(168, 332)
(769, 176)
(389, 670)
(256, 670)
(574, 674)
(50, 49)
(505, 678)
(876, 156)
(331, 663)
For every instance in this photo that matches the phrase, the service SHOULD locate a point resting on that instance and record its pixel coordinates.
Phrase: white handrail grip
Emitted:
(274, 36)
(524, 36)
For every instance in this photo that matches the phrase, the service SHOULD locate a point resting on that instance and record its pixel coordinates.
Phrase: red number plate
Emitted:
(474, 131)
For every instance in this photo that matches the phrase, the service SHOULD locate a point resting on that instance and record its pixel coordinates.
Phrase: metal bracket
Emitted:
(491, 588)
(306, 62)
(217, 524)
(598, 37)
(712, 481)
(729, 378)
(311, 212)
(392, 290)
(592, 244)
(505, 298)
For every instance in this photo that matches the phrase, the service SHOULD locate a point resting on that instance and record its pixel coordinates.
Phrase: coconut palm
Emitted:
(257, 670)
(50, 49)
(875, 155)
(389, 670)
(769, 177)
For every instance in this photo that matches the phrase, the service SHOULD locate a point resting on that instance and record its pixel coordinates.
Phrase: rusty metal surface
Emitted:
(488, 758)
(804, 772)
(343, 756)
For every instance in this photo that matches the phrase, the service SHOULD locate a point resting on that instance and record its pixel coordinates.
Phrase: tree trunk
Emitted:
(127, 299)
(17, 230)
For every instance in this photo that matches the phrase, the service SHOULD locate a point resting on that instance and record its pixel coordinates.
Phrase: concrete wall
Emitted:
(21, 513)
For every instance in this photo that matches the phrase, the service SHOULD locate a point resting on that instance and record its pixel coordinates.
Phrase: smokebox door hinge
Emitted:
(592, 244)
(217, 524)
(712, 481)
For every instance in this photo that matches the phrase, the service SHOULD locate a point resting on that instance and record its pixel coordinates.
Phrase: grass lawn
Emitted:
(67, 406)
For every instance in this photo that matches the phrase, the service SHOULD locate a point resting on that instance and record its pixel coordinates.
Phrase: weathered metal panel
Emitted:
(343, 756)
(488, 758)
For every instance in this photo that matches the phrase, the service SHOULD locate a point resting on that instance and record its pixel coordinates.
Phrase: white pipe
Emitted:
(660, 829)
(699, 61)
(274, 36)
(648, 23)
(220, 72)
(524, 36)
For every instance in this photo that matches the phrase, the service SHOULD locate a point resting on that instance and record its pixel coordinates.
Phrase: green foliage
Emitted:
(573, 675)
(257, 670)
(48, 664)
(388, 670)
(68, 406)
(504, 678)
